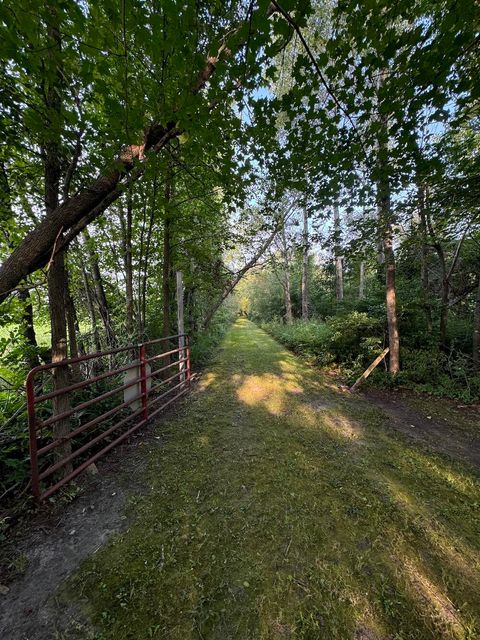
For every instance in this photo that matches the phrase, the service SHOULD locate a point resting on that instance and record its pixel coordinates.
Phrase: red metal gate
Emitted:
(92, 419)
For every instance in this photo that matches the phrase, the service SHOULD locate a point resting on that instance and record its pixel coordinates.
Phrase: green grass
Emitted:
(280, 508)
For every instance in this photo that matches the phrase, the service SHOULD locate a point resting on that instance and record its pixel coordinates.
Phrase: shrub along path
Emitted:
(281, 508)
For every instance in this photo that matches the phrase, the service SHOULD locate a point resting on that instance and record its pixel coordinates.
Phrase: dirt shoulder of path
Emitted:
(440, 425)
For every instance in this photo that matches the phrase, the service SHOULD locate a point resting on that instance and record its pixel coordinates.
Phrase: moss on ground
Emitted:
(281, 508)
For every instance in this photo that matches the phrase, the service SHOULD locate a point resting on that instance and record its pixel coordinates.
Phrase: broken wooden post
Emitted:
(368, 371)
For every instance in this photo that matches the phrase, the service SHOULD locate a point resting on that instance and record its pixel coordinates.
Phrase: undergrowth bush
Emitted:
(350, 338)
(441, 374)
(354, 339)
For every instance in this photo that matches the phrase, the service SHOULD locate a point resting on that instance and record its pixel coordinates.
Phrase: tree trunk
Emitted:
(361, 286)
(56, 279)
(384, 208)
(127, 261)
(444, 309)
(91, 307)
(100, 295)
(72, 326)
(286, 279)
(167, 258)
(476, 330)
(393, 334)
(424, 278)
(338, 257)
(190, 309)
(61, 375)
(305, 293)
(29, 329)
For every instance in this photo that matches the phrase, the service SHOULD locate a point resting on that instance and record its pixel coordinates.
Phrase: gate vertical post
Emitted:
(143, 382)
(32, 434)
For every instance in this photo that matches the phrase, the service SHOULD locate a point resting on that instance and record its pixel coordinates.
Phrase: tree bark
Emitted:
(338, 256)
(305, 291)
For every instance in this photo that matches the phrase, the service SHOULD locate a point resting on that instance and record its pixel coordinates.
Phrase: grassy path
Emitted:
(280, 508)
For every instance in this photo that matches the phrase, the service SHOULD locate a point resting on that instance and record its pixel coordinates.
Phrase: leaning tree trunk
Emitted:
(66, 221)
(305, 292)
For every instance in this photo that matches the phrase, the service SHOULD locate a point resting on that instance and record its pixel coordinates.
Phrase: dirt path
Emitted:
(275, 507)
(440, 425)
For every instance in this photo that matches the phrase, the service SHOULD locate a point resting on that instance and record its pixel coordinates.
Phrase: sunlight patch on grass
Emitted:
(439, 611)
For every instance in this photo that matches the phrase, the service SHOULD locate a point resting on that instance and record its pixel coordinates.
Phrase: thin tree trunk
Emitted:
(167, 255)
(190, 309)
(305, 292)
(476, 330)
(146, 256)
(100, 295)
(361, 286)
(424, 278)
(393, 334)
(286, 279)
(29, 329)
(72, 326)
(338, 256)
(127, 261)
(91, 307)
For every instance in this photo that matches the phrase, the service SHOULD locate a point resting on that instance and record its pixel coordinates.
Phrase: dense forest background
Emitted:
(319, 160)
